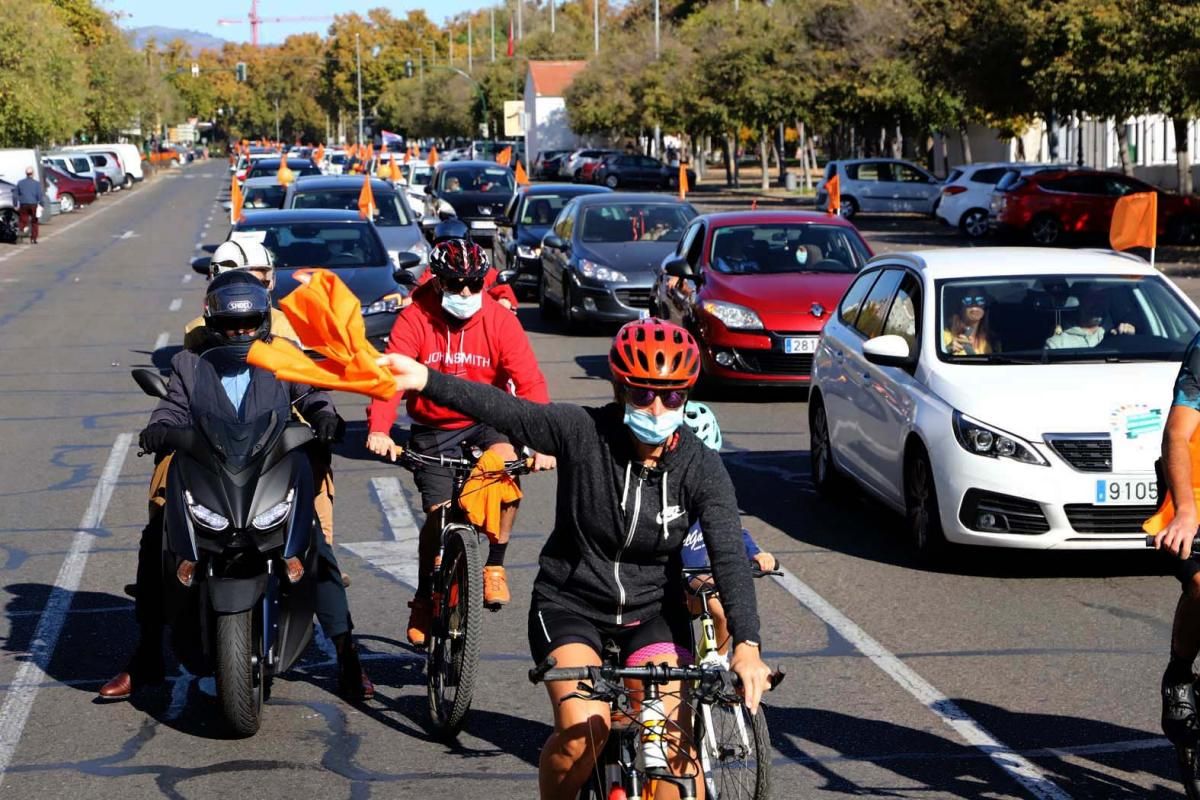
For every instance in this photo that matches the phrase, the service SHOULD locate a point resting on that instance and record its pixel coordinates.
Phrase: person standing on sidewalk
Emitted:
(29, 197)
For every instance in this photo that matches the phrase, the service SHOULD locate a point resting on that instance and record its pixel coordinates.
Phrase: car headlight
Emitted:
(528, 252)
(599, 272)
(984, 440)
(733, 316)
(275, 514)
(205, 515)
(387, 304)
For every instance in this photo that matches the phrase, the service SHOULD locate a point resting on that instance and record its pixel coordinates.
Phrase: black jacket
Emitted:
(612, 556)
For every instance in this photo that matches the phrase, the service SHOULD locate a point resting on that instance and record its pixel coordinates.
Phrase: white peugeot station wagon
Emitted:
(1010, 397)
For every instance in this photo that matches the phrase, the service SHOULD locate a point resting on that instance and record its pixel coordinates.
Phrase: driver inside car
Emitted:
(1089, 330)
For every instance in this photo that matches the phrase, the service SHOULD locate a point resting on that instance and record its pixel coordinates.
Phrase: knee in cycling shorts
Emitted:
(1186, 569)
(552, 626)
(435, 483)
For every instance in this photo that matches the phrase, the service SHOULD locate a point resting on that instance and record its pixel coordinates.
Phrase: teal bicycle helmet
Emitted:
(703, 423)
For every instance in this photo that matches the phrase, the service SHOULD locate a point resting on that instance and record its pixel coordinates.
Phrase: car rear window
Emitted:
(389, 212)
(270, 166)
(869, 171)
(1008, 180)
(989, 175)
(314, 244)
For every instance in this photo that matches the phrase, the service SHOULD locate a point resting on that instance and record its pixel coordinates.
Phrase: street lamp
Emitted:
(358, 66)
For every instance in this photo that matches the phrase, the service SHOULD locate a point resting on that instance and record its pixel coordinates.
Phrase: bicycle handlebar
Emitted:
(407, 458)
(548, 672)
(1195, 543)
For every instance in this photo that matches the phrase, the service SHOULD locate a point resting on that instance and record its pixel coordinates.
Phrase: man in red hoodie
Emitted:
(454, 326)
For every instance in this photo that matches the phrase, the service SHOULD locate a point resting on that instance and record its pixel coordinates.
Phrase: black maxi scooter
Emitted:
(239, 556)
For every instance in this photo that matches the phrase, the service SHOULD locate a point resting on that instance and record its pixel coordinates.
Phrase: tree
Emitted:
(1172, 34)
(40, 98)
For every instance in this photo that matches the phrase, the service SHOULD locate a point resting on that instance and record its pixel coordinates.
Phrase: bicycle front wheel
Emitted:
(454, 641)
(735, 752)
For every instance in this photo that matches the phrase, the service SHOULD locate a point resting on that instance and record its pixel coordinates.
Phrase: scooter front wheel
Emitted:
(240, 687)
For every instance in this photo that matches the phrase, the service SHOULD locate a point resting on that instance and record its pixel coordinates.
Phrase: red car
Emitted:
(755, 289)
(1053, 205)
(73, 191)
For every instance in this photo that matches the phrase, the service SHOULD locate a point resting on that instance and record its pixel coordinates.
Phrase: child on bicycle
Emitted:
(694, 554)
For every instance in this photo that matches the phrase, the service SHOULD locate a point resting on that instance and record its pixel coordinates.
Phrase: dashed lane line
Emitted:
(162, 340)
(175, 304)
(187, 278)
(1018, 767)
(18, 702)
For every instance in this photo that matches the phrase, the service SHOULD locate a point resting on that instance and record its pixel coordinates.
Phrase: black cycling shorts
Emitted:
(436, 484)
(551, 626)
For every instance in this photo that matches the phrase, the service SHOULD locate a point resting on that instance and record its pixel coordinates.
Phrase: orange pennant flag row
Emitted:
(328, 318)
(432, 158)
(235, 201)
(1135, 221)
(833, 191)
(366, 199)
(504, 156)
(683, 181)
(521, 178)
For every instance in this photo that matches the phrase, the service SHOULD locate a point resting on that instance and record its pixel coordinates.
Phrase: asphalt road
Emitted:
(1007, 675)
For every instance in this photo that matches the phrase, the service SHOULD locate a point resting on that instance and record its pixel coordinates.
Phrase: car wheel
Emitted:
(66, 202)
(1046, 230)
(546, 306)
(849, 208)
(8, 226)
(128, 184)
(921, 505)
(572, 319)
(974, 223)
(611, 181)
(825, 476)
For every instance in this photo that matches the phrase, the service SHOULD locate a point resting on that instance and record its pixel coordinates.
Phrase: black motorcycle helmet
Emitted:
(451, 228)
(237, 300)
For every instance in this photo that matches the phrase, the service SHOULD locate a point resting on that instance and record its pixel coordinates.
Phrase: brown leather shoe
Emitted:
(119, 688)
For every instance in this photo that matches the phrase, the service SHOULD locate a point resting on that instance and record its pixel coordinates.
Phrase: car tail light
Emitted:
(953, 190)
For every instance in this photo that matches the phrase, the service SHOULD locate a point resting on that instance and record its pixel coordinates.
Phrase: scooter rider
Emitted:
(237, 313)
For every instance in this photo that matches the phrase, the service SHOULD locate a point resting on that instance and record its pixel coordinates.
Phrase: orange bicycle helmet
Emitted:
(654, 355)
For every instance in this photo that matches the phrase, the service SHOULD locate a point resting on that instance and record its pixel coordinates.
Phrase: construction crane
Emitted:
(256, 20)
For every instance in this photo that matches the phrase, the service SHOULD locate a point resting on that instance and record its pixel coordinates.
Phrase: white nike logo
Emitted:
(671, 512)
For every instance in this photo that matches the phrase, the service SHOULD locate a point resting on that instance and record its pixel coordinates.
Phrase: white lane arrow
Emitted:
(125, 235)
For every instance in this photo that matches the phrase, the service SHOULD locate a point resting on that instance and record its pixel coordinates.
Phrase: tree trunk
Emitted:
(698, 156)
(1123, 148)
(764, 156)
(727, 146)
(898, 143)
(781, 153)
(945, 146)
(737, 159)
(1183, 156)
(966, 143)
(806, 167)
(812, 155)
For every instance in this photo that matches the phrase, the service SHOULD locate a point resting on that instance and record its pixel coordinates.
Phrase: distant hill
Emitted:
(195, 39)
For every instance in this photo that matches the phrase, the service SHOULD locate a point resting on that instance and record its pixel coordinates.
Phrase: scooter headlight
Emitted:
(205, 515)
(273, 515)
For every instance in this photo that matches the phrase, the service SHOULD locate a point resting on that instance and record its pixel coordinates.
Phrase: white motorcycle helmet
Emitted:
(235, 254)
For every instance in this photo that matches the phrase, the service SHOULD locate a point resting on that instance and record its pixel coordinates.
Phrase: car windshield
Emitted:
(317, 244)
(492, 180)
(1053, 319)
(269, 166)
(542, 209)
(787, 247)
(419, 176)
(389, 211)
(634, 222)
(264, 196)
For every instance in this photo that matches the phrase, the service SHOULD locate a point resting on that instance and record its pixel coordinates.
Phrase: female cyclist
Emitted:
(634, 479)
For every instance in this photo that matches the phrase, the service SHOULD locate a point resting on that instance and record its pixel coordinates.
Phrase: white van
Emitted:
(14, 161)
(129, 155)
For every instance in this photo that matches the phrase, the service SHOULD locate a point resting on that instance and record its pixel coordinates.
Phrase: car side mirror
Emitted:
(429, 189)
(507, 276)
(202, 265)
(553, 241)
(888, 351)
(403, 277)
(150, 382)
(678, 267)
(406, 260)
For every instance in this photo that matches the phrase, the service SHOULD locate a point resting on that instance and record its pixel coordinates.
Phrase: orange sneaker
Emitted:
(495, 587)
(420, 618)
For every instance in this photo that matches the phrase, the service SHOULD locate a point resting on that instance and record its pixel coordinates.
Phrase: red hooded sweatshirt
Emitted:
(490, 347)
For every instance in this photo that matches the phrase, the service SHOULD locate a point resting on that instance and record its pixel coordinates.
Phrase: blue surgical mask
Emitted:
(650, 429)
(462, 307)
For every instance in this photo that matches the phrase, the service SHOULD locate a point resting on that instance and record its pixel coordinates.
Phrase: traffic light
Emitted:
(241, 71)
(408, 68)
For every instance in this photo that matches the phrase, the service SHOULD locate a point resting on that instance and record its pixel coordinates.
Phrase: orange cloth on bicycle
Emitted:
(1166, 510)
(485, 491)
(327, 317)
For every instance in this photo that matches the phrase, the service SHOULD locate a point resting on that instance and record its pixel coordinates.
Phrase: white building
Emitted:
(546, 125)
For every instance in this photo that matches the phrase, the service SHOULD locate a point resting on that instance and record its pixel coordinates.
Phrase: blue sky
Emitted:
(203, 16)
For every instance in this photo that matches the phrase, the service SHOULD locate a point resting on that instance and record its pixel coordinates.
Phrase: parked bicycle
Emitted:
(452, 647)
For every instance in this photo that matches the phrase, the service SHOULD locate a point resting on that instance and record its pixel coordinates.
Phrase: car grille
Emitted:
(1085, 455)
(1013, 514)
(634, 298)
(775, 363)
(1086, 518)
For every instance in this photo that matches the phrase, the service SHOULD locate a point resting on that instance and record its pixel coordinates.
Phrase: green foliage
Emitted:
(41, 93)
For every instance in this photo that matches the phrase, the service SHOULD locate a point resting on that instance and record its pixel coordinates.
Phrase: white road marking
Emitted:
(398, 555)
(1018, 767)
(188, 277)
(32, 672)
(175, 304)
(162, 340)
(125, 235)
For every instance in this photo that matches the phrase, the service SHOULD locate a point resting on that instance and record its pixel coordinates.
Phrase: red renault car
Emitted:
(755, 289)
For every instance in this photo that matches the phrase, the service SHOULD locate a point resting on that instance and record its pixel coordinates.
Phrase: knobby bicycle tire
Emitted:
(735, 752)
(453, 657)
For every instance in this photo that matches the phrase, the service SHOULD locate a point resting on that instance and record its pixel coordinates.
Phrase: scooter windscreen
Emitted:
(236, 441)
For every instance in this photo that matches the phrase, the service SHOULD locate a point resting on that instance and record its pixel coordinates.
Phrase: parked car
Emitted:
(571, 166)
(77, 165)
(526, 220)
(107, 164)
(398, 227)
(756, 287)
(882, 185)
(1010, 397)
(13, 162)
(270, 166)
(545, 166)
(333, 162)
(600, 258)
(477, 192)
(341, 241)
(967, 194)
(73, 191)
(129, 159)
(1051, 207)
(622, 170)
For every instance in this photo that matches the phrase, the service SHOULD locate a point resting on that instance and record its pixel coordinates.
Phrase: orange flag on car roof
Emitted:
(285, 174)
(683, 181)
(407, 155)
(319, 156)
(394, 170)
(833, 193)
(1135, 221)
(432, 158)
(366, 200)
(235, 201)
(521, 178)
(327, 317)
(504, 156)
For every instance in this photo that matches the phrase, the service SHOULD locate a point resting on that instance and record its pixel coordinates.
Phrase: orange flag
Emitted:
(235, 201)
(319, 156)
(833, 189)
(683, 181)
(521, 177)
(285, 174)
(393, 171)
(328, 318)
(370, 152)
(1135, 221)
(366, 200)
(432, 158)
(407, 156)
(504, 156)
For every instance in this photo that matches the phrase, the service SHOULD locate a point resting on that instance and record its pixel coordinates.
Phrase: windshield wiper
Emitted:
(1003, 358)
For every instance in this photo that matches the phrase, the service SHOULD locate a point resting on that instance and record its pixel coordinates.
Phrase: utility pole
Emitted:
(552, 4)
(470, 46)
(358, 66)
(520, 25)
(657, 50)
(493, 37)
(596, 26)
(450, 46)
(656, 31)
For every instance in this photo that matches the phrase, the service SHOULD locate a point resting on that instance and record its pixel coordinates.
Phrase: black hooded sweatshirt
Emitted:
(613, 556)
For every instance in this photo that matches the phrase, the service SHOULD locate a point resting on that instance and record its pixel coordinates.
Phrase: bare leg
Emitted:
(580, 731)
